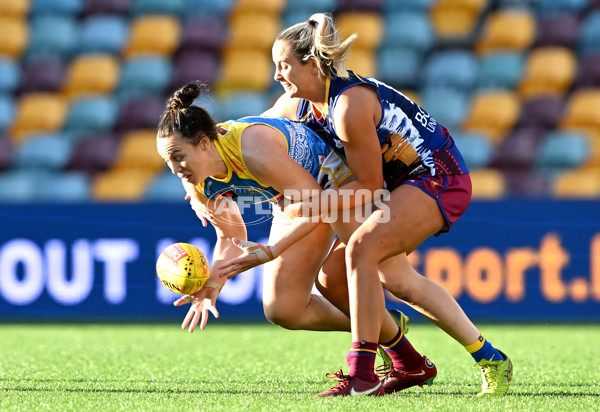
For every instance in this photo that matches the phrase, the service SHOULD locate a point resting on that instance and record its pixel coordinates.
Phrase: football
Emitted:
(182, 268)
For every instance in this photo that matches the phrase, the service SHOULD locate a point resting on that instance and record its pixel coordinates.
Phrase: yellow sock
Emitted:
(475, 346)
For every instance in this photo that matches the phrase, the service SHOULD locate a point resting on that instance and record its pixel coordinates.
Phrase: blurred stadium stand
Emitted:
(84, 82)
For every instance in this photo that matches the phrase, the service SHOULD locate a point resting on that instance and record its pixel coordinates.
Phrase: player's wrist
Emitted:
(215, 284)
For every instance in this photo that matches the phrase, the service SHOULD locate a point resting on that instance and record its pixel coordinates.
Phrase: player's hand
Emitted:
(201, 303)
(203, 213)
(254, 255)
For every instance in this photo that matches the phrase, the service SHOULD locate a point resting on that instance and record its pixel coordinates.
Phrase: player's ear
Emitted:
(314, 66)
(204, 142)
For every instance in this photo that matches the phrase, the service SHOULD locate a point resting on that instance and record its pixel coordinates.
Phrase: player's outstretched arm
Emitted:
(225, 217)
(201, 303)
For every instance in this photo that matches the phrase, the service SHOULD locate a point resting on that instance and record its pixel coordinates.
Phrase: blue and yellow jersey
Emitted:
(412, 141)
(304, 146)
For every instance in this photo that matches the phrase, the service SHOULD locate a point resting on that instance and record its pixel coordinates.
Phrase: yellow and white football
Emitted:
(182, 268)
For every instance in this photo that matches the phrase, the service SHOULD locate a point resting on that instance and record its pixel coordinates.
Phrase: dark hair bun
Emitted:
(185, 96)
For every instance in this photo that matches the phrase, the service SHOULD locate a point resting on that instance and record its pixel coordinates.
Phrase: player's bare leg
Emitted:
(288, 282)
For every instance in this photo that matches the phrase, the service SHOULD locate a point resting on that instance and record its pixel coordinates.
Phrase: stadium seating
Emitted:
(91, 114)
(362, 61)
(456, 19)
(448, 106)
(153, 34)
(94, 154)
(65, 187)
(254, 74)
(408, 30)
(589, 71)
(19, 186)
(451, 68)
(47, 152)
(204, 34)
(140, 113)
(505, 76)
(577, 184)
(407, 5)
(493, 113)
(518, 149)
(165, 187)
(507, 30)
(487, 184)
(103, 34)
(15, 8)
(360, 5)
(542, 112)
(476, 149)
(6, 153)
(273, 7)
(7, 111)
(138, 151)
(14, 33)
(526, 183)
(10, 75)
(397, 75)
(241, 104)
(558, 30)
(43, 75)
(563, 150)
(552, 7)
(208, 8)
(548, 71)
(589, 34)
(91, 74)
(148, 75)
(501, 70)
(174, 7)
(121, 185)
(195, 65)
(38, 113)
(368, 26)
(582, 110)
(52, 35)
(114, 7)
(69, 8)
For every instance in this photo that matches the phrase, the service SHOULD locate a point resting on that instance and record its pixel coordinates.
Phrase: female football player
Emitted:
(268, 157)
(388, 141)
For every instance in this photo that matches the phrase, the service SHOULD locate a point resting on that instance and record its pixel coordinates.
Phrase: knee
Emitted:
(283, 316)
(360, 251)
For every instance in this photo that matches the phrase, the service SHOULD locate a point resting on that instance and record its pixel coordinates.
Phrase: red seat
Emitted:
(43, 75)
(195, 65)
(558, 30)
(140, 113)
(543, 112)
(589, 72)
(526, 183)
(518, 149)
(94, 154)
(205, 34)
(6, 153)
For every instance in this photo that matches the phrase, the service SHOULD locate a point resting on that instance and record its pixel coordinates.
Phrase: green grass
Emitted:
(264, 368)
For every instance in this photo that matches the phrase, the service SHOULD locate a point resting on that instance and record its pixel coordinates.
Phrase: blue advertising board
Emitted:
(513, 260)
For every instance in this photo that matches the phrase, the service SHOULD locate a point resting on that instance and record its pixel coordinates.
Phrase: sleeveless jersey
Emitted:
(412, 142)
(304, 146)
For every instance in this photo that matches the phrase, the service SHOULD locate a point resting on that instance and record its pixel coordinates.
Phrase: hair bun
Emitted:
(185, 96)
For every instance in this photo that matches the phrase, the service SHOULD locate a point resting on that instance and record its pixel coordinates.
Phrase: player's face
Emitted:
(185, 160)
(296, 77)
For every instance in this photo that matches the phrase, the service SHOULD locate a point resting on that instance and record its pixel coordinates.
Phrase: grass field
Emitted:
(260, 367)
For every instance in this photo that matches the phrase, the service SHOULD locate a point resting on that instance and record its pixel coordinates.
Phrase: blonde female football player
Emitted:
(270, 156)
(388, 141)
